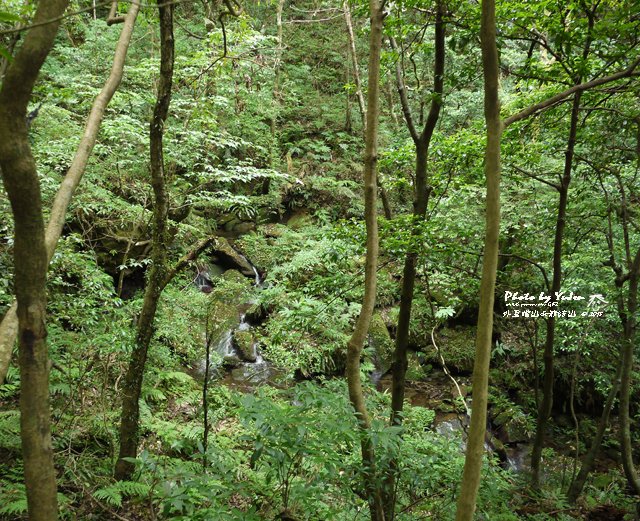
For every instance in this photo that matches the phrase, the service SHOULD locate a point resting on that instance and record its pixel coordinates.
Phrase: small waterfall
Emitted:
(224, 346)
(257, 279)
(241, 373)
(243, 325)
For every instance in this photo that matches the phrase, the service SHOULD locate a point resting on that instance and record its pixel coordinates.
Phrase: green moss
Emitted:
(381, 341)
(299, 220)
(244, 342)
(457, 346)
(236, 277)
(415, 371)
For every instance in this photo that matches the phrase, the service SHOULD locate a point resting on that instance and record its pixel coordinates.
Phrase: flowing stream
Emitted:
(238, 370)
(246, 371)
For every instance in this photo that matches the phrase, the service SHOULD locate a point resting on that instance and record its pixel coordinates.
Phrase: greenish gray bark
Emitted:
(132, 387)
(20, 178)
(466, 504)
(354, 348)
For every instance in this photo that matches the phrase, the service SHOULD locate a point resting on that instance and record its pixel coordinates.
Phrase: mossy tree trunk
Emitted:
(9, 324)
(129, 421)
(354, 348)
(466, 504)
(21, 182)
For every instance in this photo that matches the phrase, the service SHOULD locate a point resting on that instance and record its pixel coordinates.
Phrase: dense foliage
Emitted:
(263, 150)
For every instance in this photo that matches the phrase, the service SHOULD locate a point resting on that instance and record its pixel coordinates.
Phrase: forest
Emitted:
(317, 260)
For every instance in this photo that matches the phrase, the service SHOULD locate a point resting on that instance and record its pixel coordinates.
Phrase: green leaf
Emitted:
(9, 17)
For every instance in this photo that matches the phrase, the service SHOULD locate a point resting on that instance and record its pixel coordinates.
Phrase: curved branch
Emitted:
(538, 107)
(402, 92)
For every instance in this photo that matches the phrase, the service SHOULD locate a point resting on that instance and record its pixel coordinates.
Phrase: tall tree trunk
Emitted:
(20, 179)
(544, 411)
(157, 276)
(386, 205)
(628, 346)
(8, 326)
(354, 348)
(421, 194)
(422, 190)
(475, 444)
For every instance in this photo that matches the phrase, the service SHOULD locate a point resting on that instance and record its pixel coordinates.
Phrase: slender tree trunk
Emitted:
(590, 457)
(475, 444)
(628, 346)
(354, 348)
(421, 194)
(8, 326)
(157, 276)
(386, 205)
(21, 182)
(421, 200)
(353, 55)
(544, 411)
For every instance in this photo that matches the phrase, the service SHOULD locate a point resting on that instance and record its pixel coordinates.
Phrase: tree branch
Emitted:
(534, 176)
(538, 107)
(402, 92)
(187, 258)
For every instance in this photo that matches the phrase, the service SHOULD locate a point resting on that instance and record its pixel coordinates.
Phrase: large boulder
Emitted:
(237, 277)
(457, 346)
(226, 256)
(245, 345)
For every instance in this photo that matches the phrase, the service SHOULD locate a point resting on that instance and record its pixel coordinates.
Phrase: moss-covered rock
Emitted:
(257, 313)
(273, 231)
(381, 342)
(298, 220)
(231, 361)
(236, 277)
(245, 345)
(511, 429)
(415, 370)
(457, 346)
(229, 258)
(390, 317)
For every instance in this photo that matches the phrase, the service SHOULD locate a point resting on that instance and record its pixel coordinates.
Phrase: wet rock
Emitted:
(229, 258)
(231, 361)
(245, 345)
